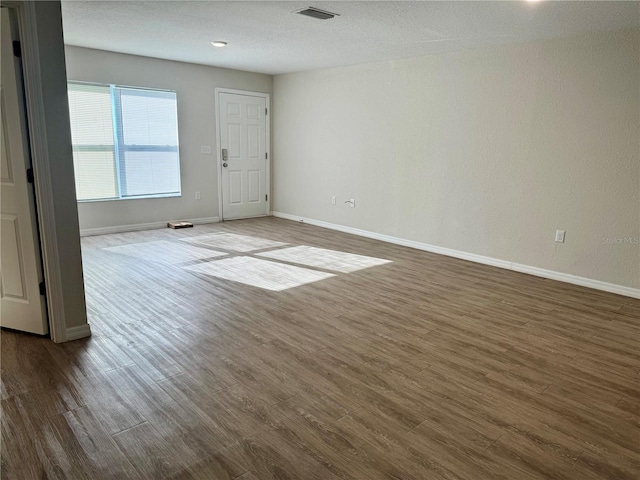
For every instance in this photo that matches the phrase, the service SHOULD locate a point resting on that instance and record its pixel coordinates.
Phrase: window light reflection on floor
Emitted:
(162, 251)
(277, 269)
(233, 242)
(259, 273)
(326, 259)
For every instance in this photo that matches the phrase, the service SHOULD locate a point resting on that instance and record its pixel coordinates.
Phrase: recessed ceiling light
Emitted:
(219, 44)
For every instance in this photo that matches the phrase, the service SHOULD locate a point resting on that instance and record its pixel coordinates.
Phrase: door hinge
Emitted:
(266, 156)
(266, 198)
(42, 288)
(17, 49)
(266, 112)
(30, 175)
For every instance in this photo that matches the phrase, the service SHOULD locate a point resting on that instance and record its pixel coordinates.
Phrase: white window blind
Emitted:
(141, 157)
(93, 142)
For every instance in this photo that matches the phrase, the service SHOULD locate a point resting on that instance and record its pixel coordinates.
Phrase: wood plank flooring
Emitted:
(427, 367)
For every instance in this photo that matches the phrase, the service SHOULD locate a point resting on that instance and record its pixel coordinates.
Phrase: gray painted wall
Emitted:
(486, 151)
(58, 137)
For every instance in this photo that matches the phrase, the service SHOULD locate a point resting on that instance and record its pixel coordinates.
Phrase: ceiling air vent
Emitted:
(317, 13)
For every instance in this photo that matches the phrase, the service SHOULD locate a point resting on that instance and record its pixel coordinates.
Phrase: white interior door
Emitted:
(22, 307)
(243, 129)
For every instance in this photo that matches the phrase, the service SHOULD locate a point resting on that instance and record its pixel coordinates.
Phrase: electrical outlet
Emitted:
(560, 236)
(197, 195)
(205, 149)
(333, 200)
(352, 203)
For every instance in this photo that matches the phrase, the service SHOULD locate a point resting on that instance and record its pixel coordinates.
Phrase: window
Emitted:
(125, 142)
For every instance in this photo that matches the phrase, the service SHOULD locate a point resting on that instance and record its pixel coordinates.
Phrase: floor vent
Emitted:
(317, 13)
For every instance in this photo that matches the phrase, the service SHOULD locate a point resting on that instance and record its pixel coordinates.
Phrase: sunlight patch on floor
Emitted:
(165, 252)
(259, 273)
(327, 259)
(233, 242)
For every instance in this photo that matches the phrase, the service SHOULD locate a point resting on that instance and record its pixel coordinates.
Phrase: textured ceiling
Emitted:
(267, 37)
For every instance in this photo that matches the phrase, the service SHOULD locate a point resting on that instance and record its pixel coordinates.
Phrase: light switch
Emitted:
(205, 149)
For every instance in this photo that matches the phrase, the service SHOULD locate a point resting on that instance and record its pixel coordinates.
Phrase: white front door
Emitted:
(21, 305)
(243, 156)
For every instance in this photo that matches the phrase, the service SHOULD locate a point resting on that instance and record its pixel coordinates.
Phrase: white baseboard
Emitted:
(74, 333)
(472, 257)
(87, 232)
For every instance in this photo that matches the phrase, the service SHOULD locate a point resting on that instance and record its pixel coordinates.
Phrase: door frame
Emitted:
(37, 127)
(267, 119)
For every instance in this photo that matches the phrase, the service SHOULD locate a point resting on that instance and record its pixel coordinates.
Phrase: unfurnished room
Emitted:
(366, 240)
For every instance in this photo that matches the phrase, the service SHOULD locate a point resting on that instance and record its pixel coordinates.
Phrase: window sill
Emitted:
(141, 197)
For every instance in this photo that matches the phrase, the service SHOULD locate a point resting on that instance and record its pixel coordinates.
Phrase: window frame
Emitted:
(119, 147)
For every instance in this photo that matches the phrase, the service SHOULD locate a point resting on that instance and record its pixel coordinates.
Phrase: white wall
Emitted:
(195, 86)
(486, 151)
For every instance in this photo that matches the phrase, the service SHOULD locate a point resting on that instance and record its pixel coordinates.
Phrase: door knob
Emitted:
(224, 164)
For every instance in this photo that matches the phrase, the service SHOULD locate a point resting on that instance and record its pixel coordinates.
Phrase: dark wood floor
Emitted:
(427, 367)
